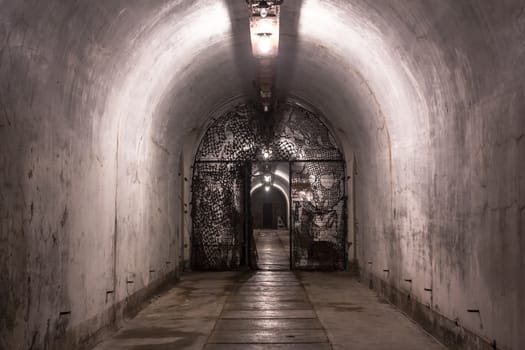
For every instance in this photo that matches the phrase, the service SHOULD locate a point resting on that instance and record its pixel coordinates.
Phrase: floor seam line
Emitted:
(219, 316)
(313, 308)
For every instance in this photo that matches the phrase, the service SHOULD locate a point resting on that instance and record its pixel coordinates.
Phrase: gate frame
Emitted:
(292, 100)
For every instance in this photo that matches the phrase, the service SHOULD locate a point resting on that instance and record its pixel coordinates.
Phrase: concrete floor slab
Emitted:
(181, 318)
(353, 314)
(266, 324)
(302, 346)
(350, 314)
(269, 258)
(256, 312)
(272, 336)
(273, 283)
(272, 314)
(277, 310)
(267, 305)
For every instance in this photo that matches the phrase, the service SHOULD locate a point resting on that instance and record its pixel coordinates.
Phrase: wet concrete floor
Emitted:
(272, 249)
(269, 309)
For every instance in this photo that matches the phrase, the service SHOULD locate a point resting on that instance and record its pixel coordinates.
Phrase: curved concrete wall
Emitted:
(101, 104)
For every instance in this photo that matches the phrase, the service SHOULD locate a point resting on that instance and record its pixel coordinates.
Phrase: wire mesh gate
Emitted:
(318, 210)
(222, 238)
(218, 212)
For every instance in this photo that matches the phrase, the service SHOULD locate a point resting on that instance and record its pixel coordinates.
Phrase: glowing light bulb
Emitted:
(266, 155)
(267, 178)
(265, 44)
(267, 188)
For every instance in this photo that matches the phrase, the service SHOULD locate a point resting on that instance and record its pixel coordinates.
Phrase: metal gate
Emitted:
(318, 215)
(218, 212)
(221, 237)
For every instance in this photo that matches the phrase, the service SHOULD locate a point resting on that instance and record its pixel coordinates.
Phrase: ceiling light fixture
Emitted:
(263, 9)
(264, 34)
(264, 29)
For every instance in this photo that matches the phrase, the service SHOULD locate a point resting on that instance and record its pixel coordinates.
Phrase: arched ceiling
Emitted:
(380, 71)
(393, 66)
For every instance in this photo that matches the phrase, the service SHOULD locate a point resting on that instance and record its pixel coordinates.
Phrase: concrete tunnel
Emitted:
(103, 105)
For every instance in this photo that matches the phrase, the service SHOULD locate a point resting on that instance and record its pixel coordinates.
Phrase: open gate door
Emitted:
(318, 215)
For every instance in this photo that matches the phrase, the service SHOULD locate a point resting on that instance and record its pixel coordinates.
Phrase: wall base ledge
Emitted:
(448, 332)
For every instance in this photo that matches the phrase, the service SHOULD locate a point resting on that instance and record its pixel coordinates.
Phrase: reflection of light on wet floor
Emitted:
(272, 249)
(269, 310)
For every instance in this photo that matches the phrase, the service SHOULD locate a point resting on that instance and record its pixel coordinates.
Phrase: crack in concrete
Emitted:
(505, 141)
(6, 116)
(504, 207)
(161, 147)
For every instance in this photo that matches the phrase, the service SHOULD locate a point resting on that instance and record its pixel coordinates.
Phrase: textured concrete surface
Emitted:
(269, 310)
(356, 318)
(101, 105)
(181, 318)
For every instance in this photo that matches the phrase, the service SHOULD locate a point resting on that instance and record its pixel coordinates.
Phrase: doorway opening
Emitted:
(270, 215)
(267, 216)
